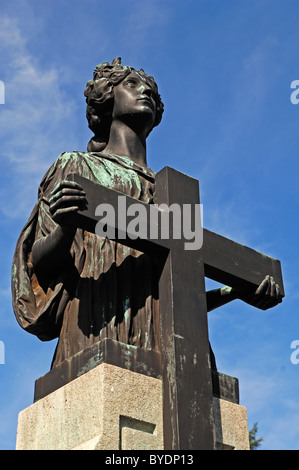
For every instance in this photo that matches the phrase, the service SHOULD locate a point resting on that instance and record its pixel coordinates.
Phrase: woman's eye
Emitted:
(131, 82)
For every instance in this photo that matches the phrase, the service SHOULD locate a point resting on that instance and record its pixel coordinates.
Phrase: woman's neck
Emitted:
(124, 141)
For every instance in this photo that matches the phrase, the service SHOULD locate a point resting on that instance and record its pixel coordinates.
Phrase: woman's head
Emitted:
(99, 94)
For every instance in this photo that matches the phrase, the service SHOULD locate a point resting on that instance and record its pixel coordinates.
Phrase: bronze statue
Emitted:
(71, 284)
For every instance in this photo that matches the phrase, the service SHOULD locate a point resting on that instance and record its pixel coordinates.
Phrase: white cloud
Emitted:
(34, 121)
(10, 35)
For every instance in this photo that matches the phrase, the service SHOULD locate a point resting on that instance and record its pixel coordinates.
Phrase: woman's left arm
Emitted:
(267, 295)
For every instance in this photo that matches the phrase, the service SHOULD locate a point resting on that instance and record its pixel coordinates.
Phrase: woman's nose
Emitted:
(146, 89)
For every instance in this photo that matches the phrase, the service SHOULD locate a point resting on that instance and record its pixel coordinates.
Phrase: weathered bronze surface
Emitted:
(144, 295)
(68, 283)
(188, 383)
(142, 361)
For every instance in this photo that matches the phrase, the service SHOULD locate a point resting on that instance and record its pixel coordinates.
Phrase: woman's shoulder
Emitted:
(66, 163)
(67, 159)
(91, 165)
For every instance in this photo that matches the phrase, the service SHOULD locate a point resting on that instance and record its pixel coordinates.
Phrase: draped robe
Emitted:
(105, 289)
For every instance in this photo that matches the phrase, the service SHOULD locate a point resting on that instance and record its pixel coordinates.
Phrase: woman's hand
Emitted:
(50, 253)
(66, 198)
(267, 295)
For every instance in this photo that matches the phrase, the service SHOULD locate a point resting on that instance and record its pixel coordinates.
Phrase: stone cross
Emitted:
(185, 353)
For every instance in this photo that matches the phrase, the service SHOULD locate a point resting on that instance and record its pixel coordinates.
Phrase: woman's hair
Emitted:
(100, 95)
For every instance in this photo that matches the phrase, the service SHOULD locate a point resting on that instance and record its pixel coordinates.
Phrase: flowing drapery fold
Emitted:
(105, 290)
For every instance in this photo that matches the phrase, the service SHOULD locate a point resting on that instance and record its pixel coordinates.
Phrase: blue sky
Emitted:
(224, 71)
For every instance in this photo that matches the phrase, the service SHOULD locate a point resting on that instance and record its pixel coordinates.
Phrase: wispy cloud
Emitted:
(228, 160)
(145, 23)
(249, 91)
(34, 119)
(266, 401)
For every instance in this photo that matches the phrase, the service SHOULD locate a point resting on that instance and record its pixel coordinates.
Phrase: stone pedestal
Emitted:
(107, 408)
(111, 408)
(230, 425)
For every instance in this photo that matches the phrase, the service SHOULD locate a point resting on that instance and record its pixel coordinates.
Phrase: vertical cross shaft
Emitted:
(185, 351)
(188, 396)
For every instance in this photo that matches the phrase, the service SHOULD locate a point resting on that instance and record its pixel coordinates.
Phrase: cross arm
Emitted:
(225, 261)
(184, 348)
(237, 265)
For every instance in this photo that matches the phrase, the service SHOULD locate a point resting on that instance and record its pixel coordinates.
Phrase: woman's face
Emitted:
(134, 96)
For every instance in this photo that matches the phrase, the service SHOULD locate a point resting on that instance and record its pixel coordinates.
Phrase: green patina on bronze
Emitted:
(93, 296)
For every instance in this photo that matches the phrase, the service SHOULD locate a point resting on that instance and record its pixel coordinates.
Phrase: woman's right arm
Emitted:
(49, 254)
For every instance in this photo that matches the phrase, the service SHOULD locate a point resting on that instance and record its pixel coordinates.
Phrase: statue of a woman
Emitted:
(71, 284)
